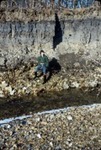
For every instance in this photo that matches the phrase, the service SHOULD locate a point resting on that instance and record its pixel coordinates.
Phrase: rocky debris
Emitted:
(20, 82)
(65, 85)
(5, 88)
(75, 84)
(70, 128)
(1, 94)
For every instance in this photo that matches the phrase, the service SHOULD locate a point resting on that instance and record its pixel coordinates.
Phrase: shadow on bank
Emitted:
(57, 39)
(54, 68)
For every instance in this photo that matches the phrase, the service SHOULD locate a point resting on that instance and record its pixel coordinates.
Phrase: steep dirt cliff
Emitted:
(69, 38)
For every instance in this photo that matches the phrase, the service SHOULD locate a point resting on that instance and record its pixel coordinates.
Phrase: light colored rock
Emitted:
(51, 144)
(69, 118)
(65, 86)
(77, 64)
(24, 88)
(75, 84)
(98, 69)
(93, 83)
(39, 136)
(2, 94)
(7, 126)
(3, 84)
(10, 90)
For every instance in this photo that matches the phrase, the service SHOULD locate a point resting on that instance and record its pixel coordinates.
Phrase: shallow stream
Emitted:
(46, 101)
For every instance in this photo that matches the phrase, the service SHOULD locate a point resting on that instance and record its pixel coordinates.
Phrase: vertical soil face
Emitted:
(19, 41)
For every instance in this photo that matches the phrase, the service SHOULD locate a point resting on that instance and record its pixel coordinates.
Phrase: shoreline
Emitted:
(73, 128)
(15, 107)
(54, 111)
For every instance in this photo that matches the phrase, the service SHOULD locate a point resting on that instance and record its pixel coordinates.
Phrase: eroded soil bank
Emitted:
(74, 81)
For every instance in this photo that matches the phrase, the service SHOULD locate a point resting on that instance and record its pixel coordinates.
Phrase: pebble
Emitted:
(69, 118)
(7, 126)
(65, 86)
(39, 136)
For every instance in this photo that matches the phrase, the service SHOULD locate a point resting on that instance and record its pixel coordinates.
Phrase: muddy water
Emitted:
(46, 101)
